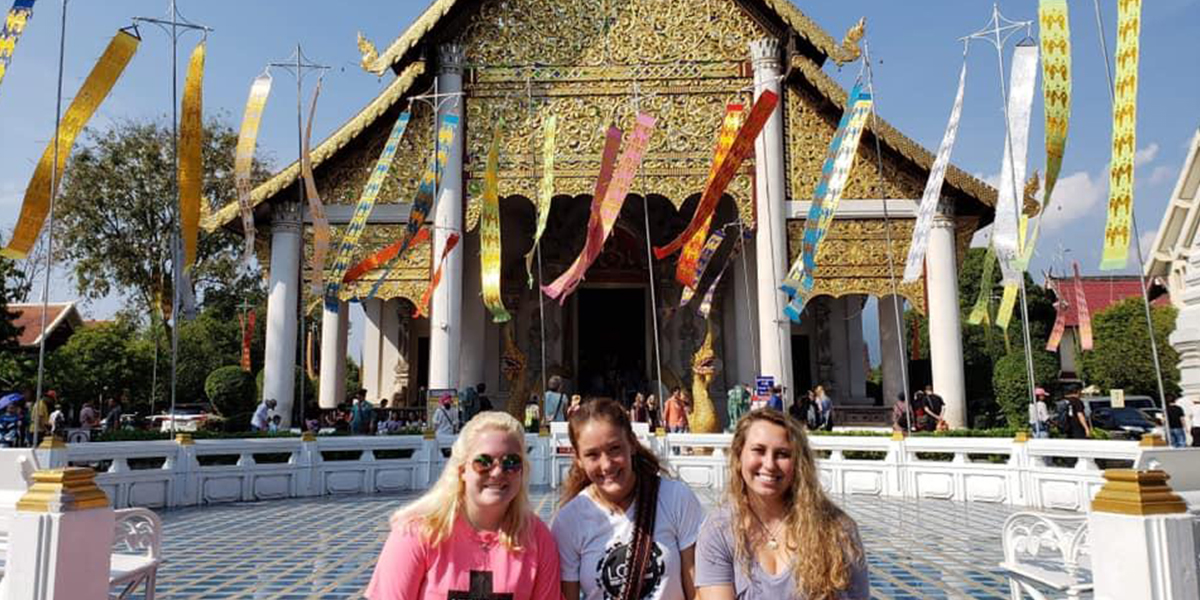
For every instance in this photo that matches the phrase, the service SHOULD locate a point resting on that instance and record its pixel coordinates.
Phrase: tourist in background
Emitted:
(474, 529)
(468, 403)
(533, 414)
(900, 414)
(824, 407)
(653, 413)
(1174, 423)
(775, 401)
(576, 402)
(918, 410)
(443, 419)
(777, 535)
(556, 402)
(1039, 414)
(10, 421)
(275, 424)
(638, 412)
(624, 529)
(1078, 427)
(803, 410)
(112, 421)
(362, 413)
(675, 413)
(42, 423)
(258, 421)
(88, 417)
(737, 401)
(935, 415)
(1195, 417)
(485, 403)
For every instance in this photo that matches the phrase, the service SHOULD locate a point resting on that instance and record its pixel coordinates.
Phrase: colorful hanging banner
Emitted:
(191, 161)
(596, 234)
(247, 336)
(423, 203)
(14, 24)
(320, 229)
(686, 269)
(383, 256)
(1007, 301)
(545, 191)
(981, 312)
(243, 159)
(95, 88)
(1060, 318)
(423, 306)
(706, 303)
(1081, 311)
(366, 202)
(833, 181)
(1124, 138)
(490, 249)
(614, 198)
(706, 254)
(1056, 98)
(933, 187)
(1005, 234)
(743, 145)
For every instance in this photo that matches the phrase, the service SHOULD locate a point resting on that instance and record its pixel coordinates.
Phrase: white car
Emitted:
(186, 417)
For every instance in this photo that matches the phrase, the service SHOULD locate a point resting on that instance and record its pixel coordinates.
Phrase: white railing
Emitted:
(1037, 474)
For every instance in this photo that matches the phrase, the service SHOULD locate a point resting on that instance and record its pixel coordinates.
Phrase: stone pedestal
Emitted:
(279, 359)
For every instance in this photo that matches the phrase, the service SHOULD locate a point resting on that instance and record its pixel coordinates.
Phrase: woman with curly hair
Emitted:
(473, 530)
(777, 535)
(624, 530)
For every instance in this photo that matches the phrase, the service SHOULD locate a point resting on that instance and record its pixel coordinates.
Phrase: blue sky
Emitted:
(914, 45)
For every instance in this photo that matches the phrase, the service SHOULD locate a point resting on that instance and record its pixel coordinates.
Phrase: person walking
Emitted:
(653, 413)
(637, 412)
(775, 402)
(112, 420)
(1078, 427)
(675, 413)
(1175, 431)
(443, 419)
(1039, 415)
(824, 408)
(42, 423)
(362, 413)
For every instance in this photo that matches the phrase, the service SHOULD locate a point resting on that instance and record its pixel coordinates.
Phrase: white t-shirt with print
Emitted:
(593, 543)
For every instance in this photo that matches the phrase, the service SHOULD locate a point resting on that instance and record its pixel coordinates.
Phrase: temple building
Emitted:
(592, 63)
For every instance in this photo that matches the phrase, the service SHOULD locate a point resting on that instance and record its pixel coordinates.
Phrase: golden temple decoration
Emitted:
(1031, 207)
(704, 367)
(369, 54)
(854, 258)
(850, 50)
(63, 490)
(1142, 493)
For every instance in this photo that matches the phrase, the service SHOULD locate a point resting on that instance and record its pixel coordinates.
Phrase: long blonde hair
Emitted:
(437, 509)
(821, 536)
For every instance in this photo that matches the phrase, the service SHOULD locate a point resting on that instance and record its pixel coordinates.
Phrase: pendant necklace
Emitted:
(772, 536)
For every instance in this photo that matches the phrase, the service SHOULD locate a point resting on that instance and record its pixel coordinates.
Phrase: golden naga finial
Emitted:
(1032, 207)
(369, 54)
(849, 50)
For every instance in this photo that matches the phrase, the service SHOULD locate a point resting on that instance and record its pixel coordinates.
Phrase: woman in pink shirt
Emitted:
(473, 532)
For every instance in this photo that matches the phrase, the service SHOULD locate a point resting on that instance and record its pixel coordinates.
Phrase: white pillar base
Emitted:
(334, 330)
(372, 350)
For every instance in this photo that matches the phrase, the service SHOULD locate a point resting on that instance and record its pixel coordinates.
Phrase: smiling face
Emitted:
(603, 452)
(768, 463)
(493, 488)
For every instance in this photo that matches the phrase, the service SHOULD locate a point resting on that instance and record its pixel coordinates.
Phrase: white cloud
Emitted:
(1145, 156)
(1161, 174)
(1146, 241)
(1076, 195)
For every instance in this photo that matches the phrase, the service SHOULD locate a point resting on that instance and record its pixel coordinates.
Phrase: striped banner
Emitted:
(596, 233)
(1124, 138)
(545, 191)
(1060, 318)
(422, 204)
(614, 198)
(14, 24)
(833, 181)
(95, 89)
(933, 187)
(244, 158)
(247, 336)
(489, 233)
(366, 202)
(686, 271)
(191, 161)
(981, 312)
(423, 306)
(1005, 232)
(1081, 310)
(706, 254)
(1056, 96)
(320, 229)
(743, 145)
(706, 303)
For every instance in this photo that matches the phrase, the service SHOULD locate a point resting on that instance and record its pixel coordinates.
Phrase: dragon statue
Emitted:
(514, 367)
(369, 54)
(849, 50)
(704, 368)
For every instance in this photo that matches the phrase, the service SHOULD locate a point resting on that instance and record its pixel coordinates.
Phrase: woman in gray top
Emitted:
(777, 535)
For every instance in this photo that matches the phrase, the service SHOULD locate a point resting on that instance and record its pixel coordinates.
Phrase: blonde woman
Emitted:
(778, 536)
(474, 529)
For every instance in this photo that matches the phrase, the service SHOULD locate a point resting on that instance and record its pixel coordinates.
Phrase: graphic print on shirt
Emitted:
(481, 589)
(613, 567)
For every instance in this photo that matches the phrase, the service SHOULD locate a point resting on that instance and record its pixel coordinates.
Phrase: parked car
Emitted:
(1144, 403)
(1123, 423)
(186, 417)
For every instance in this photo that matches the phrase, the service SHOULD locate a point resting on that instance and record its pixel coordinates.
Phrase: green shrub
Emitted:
(1010, 382)
(1121, 357)
(230, 389)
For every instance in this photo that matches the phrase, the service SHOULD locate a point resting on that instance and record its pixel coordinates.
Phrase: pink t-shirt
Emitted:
(467, 565)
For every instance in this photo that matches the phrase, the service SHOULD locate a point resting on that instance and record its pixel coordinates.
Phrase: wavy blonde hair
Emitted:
(435, 512)
(821, 568)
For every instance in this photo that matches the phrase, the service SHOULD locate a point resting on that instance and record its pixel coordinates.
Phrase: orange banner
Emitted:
(423, 306)
(686, 271)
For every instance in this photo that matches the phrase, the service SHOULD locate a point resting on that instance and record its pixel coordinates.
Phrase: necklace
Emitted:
(772, 536)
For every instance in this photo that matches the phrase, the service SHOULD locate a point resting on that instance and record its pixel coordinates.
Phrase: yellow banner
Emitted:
(545, 192)
(685, 269)
(191, 162)
(1007, 302)
(14, 24)
(1124, 138)
(244, 157)
(489, 233)
(95, 88)
(321, 234)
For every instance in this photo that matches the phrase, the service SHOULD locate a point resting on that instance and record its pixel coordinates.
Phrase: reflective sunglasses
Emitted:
(509, 463)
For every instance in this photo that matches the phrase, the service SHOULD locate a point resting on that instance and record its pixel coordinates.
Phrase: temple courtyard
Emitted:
(326, 547)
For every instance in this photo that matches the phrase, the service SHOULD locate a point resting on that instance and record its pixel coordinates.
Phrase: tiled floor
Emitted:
(326, 547)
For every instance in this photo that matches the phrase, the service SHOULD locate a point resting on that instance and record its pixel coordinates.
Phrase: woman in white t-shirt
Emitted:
(619, 515)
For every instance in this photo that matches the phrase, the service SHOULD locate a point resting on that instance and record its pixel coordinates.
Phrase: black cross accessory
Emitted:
(481, 589)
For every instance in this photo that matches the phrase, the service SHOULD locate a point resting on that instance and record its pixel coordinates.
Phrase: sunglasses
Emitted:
(509, 463)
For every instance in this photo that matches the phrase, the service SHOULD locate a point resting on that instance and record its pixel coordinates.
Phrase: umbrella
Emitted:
(8, 399)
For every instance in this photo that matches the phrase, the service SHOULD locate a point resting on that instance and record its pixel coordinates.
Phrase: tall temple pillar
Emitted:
(945, 332)
(474, 318)
(446, 325)
(856, 357)
(372, 349)
(389, 352)
(891, 348)
(279, 361)
(334, 333)
(771, 253)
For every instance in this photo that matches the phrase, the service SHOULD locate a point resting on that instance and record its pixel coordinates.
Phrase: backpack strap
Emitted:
(642, 545)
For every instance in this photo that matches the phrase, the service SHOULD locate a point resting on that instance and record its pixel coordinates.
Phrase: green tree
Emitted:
(1121, 357)
(1010, 381)
(100, 361)
(231, 390)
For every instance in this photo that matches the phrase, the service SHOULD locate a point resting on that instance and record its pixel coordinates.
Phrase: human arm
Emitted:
(566, 539)
(400, 571)
(687, 571)
(1087, 427)
(570, 590)
(547, 581)
(714, 572)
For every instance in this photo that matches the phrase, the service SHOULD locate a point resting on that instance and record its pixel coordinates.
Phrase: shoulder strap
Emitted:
(642, 545)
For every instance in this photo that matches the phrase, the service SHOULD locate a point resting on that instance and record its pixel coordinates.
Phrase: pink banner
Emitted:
(1060, 321)
(1081, 308)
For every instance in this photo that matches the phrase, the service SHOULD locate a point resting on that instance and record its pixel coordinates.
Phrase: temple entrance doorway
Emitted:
(611, 340)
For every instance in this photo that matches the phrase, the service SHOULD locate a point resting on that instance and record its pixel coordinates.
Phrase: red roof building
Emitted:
(62, 320)
(1101, 292)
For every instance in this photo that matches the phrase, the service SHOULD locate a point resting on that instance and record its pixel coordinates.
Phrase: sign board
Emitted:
(1118, 398)
(433, 399)
(763, 385)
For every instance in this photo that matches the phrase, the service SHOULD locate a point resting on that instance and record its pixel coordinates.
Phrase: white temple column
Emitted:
(891, 348)
(372, 349)
(1186, 337)
(334, 334)
(771, 254)
(945, 332)
(279, 361)
(475, 319)
(838, 386)
(390, 351)
(856, 350)
(445, 331)
(740, 350)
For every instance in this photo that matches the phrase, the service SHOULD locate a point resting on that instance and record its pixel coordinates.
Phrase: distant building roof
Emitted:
(62, 319)
(1102, 291)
